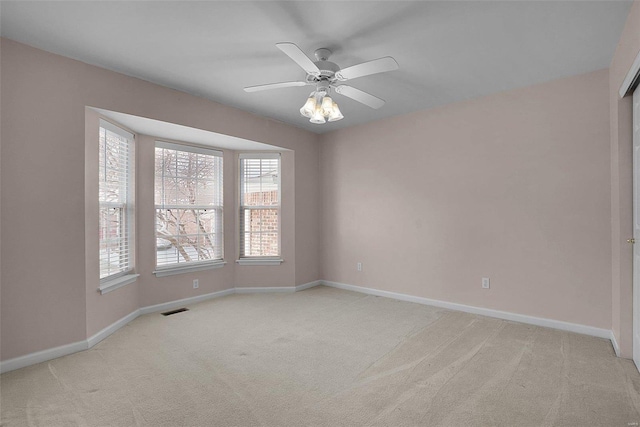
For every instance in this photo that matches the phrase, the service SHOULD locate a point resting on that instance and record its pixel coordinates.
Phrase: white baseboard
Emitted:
(521, 318)
(65, 350)
(308, 285)
(258, 290)
(185, 301)
(614, 343)
(95, 339)
(263, 290)
(42, 356)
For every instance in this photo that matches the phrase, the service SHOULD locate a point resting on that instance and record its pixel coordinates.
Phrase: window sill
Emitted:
(119, 282)
(260, 261)
(171, 271)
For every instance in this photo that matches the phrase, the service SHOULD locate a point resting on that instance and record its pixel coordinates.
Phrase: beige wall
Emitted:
(43, 294)
(621, 183)
(513, 186)
(47, 299)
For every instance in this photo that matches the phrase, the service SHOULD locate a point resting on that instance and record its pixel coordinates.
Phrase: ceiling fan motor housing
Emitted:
(327, 67)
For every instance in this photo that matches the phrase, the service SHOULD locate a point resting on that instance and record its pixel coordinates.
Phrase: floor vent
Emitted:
(179, 310)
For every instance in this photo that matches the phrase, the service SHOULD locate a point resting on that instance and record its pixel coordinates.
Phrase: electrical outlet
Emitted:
(196, 284)
(485, 283)
(359, 266)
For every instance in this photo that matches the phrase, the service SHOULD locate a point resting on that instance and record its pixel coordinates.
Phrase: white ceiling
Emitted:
(448, 51)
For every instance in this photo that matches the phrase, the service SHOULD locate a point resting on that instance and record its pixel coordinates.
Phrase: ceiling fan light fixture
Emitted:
(326, 75)
(335, 113)
(309, 107)
(318, 117)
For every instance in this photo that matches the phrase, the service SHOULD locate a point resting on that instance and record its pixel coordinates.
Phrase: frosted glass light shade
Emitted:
(309, 107)
(335, 113)
(327, 106)
(318, 117)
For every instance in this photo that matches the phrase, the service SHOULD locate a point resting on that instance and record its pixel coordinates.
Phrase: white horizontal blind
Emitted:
(189, 204)
(260, 205)
(115, 199)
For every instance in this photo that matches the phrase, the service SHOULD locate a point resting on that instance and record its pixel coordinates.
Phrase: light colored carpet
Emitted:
(332, 358)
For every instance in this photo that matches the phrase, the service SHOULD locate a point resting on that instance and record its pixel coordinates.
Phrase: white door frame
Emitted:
(631, 81)
(636, 228)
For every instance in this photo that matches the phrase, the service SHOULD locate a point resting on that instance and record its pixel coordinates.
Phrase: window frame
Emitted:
(121, 278)
(183, 267)
(258, 260)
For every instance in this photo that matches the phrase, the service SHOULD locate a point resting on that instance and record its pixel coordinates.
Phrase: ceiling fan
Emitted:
(326, 75)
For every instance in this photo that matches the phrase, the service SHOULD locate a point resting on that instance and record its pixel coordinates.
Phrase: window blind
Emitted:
(189, 204)
(115, 156)
(259, 205)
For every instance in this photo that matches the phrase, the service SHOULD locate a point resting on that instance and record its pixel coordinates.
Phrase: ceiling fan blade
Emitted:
(360, 96)
(273, 86)
(376, 66)
(299, 57)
